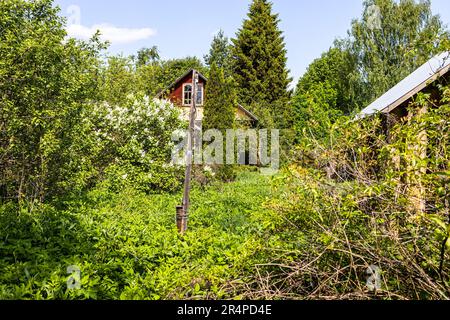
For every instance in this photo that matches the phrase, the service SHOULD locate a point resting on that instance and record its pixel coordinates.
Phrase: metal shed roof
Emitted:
(410, 86)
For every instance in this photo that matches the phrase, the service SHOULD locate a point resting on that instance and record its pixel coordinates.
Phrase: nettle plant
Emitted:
(135, 143)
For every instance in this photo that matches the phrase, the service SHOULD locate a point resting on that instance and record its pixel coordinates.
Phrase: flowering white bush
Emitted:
(135, 142)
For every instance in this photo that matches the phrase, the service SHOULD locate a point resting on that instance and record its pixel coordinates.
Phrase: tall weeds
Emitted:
(365, 199)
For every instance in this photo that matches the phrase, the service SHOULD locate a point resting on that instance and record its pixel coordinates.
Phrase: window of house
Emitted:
(187, 94)
(199, 100)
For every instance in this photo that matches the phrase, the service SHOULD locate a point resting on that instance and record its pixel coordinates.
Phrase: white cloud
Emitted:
(110, 32)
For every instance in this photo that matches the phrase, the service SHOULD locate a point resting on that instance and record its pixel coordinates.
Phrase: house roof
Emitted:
(430, 71)
(161, 93)
(248, 113)
(173, 84)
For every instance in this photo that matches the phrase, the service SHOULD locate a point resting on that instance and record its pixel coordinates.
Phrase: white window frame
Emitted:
(192, 94)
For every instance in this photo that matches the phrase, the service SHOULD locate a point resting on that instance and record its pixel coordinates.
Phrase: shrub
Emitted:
(135, 143)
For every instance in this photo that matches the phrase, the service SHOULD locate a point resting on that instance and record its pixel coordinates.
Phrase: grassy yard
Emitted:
(126, 245)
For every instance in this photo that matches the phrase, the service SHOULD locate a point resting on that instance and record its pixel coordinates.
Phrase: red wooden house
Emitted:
(180, 94)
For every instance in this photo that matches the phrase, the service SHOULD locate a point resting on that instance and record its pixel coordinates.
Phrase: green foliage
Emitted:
(259, 66)
(127, 246)
(358, 204)
(220, 110)
(147, 56)
(336, 70)
(134, 143)
(390, 41)
(407, 36)
(56, 137)
(118, 80)
(86, 180)
(220, 53)
(44, 82)
(315, 111)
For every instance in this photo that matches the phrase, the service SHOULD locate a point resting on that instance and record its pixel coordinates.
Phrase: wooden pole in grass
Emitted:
(183, 210)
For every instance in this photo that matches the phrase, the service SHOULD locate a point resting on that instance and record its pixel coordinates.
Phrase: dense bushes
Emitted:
(67, 121)
(388, 42)
(366, 199)
(86, 180)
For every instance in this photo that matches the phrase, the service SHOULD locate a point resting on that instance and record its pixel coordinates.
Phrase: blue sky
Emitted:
(186, 28)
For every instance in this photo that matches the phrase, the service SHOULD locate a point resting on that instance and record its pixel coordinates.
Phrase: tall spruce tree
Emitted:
(259, 65)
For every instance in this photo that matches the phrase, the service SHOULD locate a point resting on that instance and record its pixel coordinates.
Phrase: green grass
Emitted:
(127, 245)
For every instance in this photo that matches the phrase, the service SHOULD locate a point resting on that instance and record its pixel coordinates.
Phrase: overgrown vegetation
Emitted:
(86, 178)
(355, 201)
(127, 246)
(388, 42)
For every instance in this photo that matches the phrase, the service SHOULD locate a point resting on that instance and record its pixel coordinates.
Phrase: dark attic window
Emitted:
(199, 100)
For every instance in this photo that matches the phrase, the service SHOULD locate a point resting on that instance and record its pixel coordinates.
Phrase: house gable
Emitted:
(175, 94)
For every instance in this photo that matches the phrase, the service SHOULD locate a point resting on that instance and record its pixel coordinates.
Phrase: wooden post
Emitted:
(181, 220)
(183, 211)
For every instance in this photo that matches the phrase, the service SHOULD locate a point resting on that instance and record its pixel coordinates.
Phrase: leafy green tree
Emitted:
(392, 39)
(315, 111)
(125, 75)
(146, 56)
(133, 143)
(148, 66)
(259, 65)
(336, 69)
(146, 80)
(119, 79)
(220, 53)
(44, 81)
